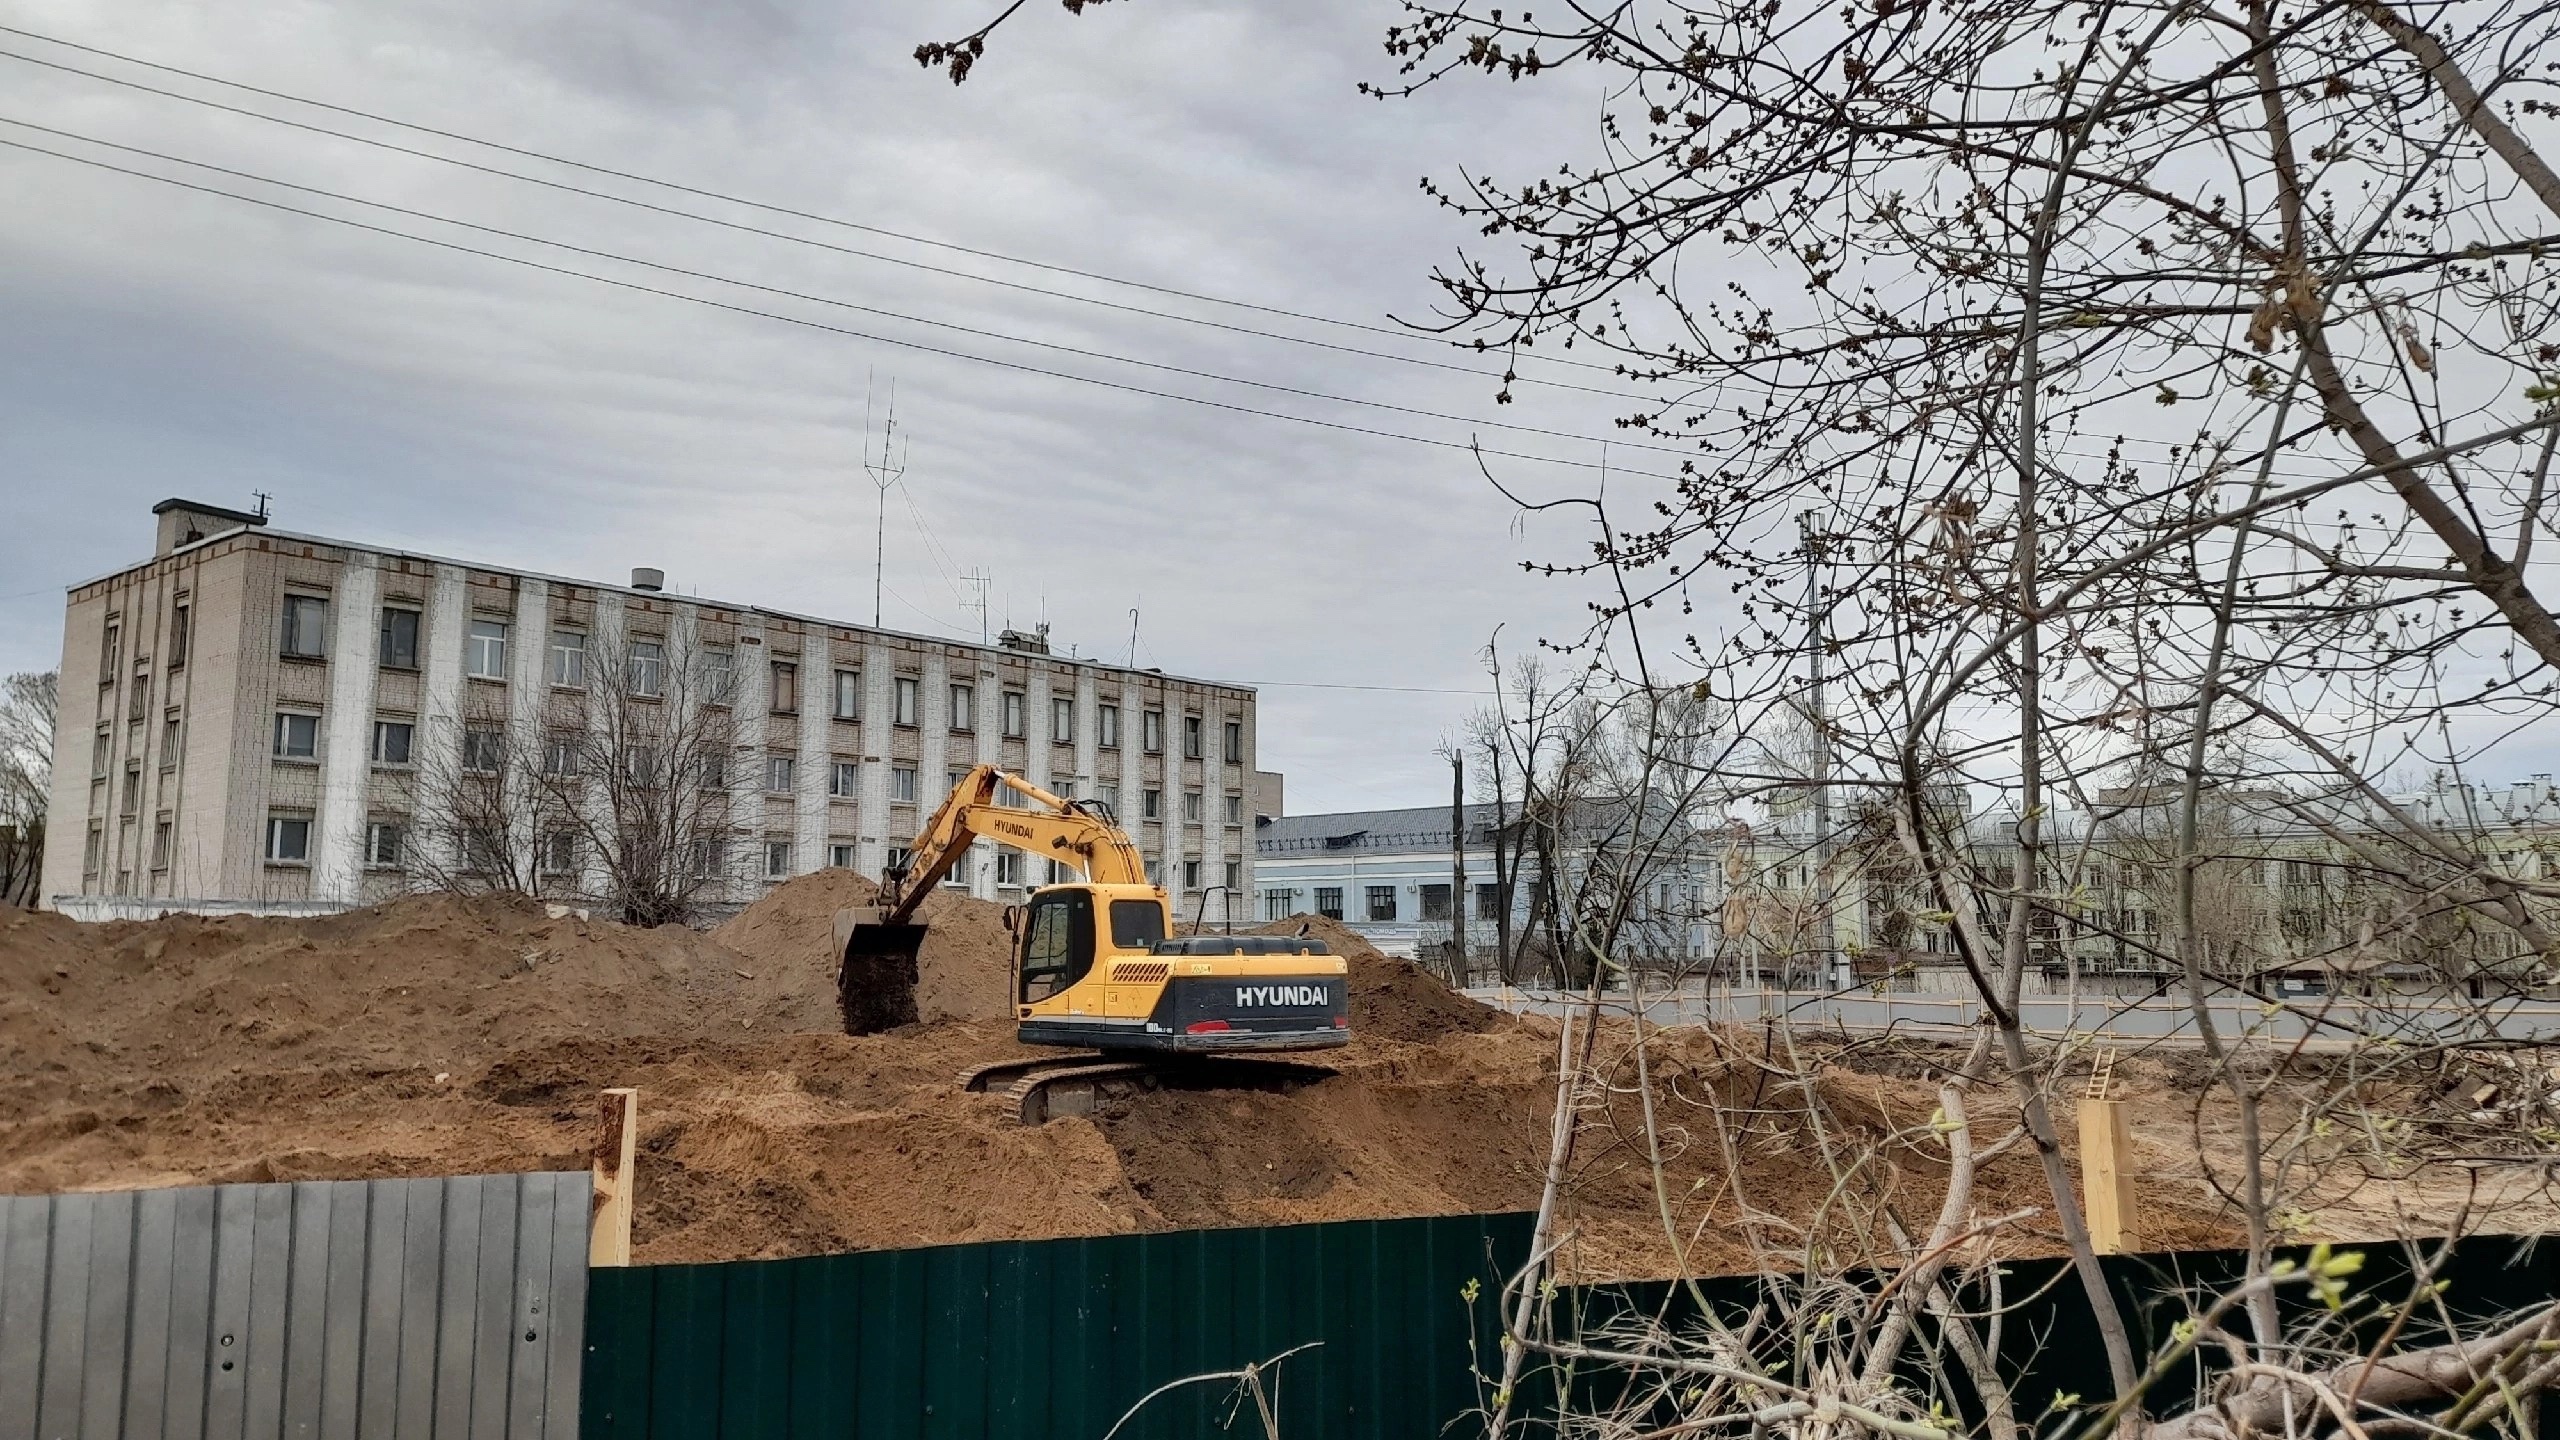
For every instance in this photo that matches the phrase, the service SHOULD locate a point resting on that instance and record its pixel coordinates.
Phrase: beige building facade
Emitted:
(254, 716)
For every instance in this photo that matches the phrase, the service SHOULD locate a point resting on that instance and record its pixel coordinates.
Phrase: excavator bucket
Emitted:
(875, 971)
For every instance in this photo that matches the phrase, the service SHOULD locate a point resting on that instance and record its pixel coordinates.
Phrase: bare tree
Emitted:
(2121, 397)
(615, 791)
(27, 709)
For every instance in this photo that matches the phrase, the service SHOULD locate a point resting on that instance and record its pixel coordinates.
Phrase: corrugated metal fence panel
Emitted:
(374, 1309)
(1057, 1337)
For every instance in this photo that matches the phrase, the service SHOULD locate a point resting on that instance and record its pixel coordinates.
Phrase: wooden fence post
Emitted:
(2106, 1173)
(617, 1133)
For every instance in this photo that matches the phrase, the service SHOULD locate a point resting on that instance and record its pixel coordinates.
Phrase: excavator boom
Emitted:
(876, 946)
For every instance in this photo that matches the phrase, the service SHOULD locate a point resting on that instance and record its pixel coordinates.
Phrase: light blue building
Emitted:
(1387, 874)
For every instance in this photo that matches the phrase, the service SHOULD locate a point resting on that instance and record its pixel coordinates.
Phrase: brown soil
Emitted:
(437, 1035)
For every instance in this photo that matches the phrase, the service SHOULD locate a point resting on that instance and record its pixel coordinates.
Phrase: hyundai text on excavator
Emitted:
(1095, 963)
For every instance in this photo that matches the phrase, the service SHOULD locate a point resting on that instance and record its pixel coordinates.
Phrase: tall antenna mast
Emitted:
(982, 580)
(883, 475)
(1133, 635)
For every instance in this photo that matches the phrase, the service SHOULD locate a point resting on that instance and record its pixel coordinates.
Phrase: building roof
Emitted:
(1423, 829)
(218, 512)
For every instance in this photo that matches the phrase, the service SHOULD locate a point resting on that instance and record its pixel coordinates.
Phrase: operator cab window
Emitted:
(1057, 946)
(1136, 924)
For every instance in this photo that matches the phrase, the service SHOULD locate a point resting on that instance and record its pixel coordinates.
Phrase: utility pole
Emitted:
(1827, 922)
(1458, 864)
(883, 475)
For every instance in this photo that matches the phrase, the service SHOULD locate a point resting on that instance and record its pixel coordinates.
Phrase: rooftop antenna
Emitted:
(981, 579)
(263, 498)
(883, 475)
(1133, 635)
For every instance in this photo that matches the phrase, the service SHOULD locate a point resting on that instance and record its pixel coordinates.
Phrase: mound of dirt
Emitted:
(1391, 998)
(439, 1035)
(964, 971)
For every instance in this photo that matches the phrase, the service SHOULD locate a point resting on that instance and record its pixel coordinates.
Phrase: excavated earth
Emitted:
(442, 1035)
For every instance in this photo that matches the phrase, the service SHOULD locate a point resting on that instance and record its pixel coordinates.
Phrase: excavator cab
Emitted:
(1056, 941)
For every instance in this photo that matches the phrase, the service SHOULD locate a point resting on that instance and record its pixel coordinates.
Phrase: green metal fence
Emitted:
(1057, 1337)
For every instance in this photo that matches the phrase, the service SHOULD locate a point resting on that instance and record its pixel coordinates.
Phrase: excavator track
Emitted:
(1000, 1072)
(1046, 1087)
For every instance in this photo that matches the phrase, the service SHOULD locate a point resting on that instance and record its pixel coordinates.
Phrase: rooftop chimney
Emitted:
(644, 577)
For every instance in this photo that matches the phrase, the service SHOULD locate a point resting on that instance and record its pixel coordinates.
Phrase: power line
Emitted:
(1512, 359)
(1231, 407)
(814, 299)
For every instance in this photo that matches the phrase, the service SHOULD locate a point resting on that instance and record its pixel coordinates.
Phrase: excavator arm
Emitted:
(1073, 832)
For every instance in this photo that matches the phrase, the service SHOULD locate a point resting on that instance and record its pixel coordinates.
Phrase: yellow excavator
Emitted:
(1095, 965)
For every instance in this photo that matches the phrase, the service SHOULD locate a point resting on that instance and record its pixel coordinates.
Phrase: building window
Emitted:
(1150, 804)
(962, 698)
(1489, 902)
(560, 755)
(1235, 809)
(398, 644)
(1106, 727)
(392, 740)
(840, 856)
(951, 781)
(906, 707)
(161, 833)
(1191, 807)
(1382, 902)
(1235, 879)
(560, 853)
(848, 694)
(1155, 872)
(1191, 737)
(1277, 904)
(306, 626)
(1435, 902)
(1151, 731)
(98, 754)
(180, 632)
(289, 839)
(1062, 720)
(719, 675)
(1235, 742)
(777, 774)
(777, 859)
(902, 784)
(297, 736)
(1108, 796)
(484, 651)
(897, 859)
(111, 647)
(710, 855)
(846, 784)
(1190, 874)
(138, 696)
(1009, 867)
(647, 672)
(958, 876)
(95, 850)
(382, 839)
(169, 737)
(483, 750)
(711, 770)
(786, 687)
(132, 788)
(1013, 718)
(569, 659)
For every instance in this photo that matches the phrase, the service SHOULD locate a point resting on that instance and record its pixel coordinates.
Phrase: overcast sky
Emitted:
(156, 341)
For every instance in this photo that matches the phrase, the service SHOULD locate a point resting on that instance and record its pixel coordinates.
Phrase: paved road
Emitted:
(2317, 1017)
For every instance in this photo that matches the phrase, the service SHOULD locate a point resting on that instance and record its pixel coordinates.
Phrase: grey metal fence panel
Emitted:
(379, 1310)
